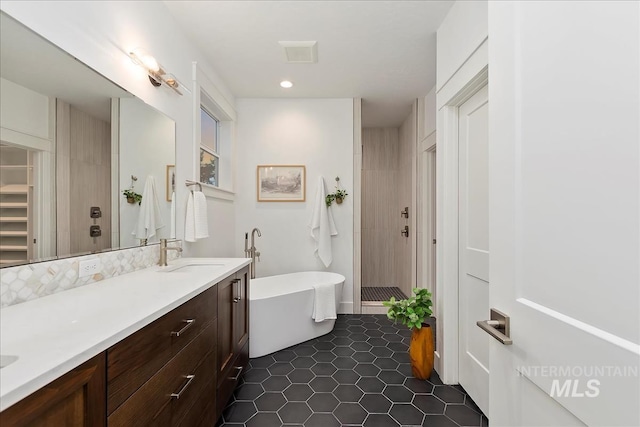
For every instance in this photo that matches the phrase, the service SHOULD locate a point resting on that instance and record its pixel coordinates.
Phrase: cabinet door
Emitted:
(75, 399)
(226, 343)
(241, 310)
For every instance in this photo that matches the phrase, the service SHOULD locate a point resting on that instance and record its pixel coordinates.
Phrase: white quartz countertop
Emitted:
(54, 334)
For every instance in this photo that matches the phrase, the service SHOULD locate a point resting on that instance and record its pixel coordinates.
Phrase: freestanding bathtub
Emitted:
(281, 308)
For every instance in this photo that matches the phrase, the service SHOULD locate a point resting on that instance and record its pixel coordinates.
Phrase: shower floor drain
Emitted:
(370, 293)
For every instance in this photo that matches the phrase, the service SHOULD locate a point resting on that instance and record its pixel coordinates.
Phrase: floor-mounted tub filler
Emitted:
(281, 307)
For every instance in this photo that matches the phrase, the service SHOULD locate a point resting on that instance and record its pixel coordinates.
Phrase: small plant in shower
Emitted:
(339, 195)
(412, 312)
(132, 196)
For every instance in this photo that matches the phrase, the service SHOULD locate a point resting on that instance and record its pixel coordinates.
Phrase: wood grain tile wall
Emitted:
(380, 215)
(405, 268)
(84, 180)
(387, 163)
(63, 185)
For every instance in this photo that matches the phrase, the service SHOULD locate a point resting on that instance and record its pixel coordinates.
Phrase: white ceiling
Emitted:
(35, 63)
(382, 51)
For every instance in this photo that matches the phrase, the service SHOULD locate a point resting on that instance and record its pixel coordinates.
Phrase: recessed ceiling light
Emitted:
(286, 84)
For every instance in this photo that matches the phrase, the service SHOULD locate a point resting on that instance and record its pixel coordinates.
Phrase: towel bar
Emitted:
(190, 183)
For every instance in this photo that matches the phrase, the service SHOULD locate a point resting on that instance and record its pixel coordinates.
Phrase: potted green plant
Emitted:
(412, 312)
(338, 196)
(132, 196)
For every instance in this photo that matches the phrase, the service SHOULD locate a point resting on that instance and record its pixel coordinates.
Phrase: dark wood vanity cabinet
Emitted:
(75, 399)
(165, 373)
(233, 334)
(179, 370)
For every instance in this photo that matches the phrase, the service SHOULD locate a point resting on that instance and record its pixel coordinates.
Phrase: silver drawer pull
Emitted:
(239, 368)
(237, 298)
(188, 322)
(184, 387)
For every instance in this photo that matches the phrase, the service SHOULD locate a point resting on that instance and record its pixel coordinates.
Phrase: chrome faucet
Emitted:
(252, 252)
(163, 252)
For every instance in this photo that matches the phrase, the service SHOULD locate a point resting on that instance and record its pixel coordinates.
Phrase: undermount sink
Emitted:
(193, 267)
(7, 360)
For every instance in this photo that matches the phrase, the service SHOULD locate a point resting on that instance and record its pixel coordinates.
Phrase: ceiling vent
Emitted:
(300, 52)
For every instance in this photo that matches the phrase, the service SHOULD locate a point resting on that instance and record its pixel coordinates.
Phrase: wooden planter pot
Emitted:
(421, 352)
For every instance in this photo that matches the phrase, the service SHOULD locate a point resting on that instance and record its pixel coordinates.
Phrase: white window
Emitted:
(209, 150)
(214, 138)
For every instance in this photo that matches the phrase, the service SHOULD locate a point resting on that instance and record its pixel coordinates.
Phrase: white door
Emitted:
(427, 219)
(430, 243)
(564, 201)
(473, 286)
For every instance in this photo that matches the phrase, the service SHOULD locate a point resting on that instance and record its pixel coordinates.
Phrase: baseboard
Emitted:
(345, 308)
(374, 309)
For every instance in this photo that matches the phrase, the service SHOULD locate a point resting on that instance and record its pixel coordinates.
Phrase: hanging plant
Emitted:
(339, 195)
(132, 196)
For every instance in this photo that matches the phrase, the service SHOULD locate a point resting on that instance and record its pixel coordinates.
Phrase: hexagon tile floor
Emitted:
(358, 375)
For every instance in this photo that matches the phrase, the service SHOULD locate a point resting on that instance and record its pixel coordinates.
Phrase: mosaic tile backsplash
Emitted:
(26, 282)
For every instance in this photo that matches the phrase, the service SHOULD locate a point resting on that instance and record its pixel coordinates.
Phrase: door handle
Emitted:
(498, 326)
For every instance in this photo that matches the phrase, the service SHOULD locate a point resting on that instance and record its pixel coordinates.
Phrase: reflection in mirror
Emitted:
(71, 141)
(147, 147)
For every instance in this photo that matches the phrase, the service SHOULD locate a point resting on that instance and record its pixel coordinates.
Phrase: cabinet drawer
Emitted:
(182, 384)
(231, 377)
(202, 398)
(75, 399)
(134, 360)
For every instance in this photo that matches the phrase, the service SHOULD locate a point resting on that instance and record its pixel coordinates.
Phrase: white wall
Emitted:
(317, 133)
(462, 58)
(24, 116)
(462, 31)
(429, 124)
(100, 34)
(146, 148)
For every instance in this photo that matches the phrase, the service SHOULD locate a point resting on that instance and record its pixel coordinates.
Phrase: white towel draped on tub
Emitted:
(149, 217)
(322, 226)
(324, 302)
(196, 226)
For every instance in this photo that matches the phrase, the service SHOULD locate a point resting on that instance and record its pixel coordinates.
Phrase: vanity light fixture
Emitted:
(286, 84)
(157, 74)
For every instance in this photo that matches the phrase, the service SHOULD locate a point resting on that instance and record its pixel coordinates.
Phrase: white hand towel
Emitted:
(172, 234)
(200, 212)
(324, 302)
(196, 226)
(149, 217)
(190, 223)
(322, 226)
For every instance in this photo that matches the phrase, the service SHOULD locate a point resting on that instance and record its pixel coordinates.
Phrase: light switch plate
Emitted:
(89, 267)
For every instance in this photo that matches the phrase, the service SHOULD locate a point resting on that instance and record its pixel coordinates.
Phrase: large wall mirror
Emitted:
(71, 143)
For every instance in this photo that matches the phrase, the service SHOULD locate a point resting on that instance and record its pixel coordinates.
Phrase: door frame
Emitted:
(468, 79)
(357, 206)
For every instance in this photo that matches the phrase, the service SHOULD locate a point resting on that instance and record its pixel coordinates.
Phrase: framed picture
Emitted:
(171, 181)
(281, 183)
